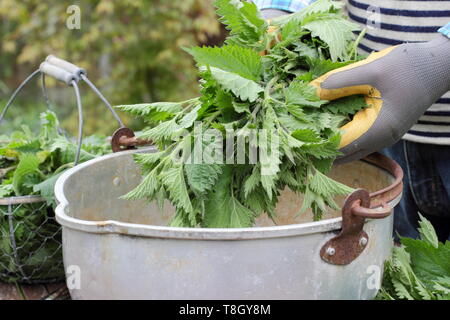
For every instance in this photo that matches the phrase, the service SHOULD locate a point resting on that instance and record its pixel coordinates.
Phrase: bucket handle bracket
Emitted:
(125, 139)
(352, 240)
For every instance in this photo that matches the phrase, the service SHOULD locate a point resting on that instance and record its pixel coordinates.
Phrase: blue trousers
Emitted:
(426, 188)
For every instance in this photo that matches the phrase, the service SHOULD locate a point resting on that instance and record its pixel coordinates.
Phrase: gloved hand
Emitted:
(400, 83)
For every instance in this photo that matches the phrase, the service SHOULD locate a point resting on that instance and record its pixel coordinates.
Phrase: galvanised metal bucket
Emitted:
(120, 249)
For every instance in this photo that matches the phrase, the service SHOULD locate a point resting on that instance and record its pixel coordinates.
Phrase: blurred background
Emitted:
(132, 50)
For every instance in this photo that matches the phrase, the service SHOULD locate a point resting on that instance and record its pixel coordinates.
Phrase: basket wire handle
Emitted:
(14, 95)
(61, 75)
(71, 75)
(80, 121)
(81, 74)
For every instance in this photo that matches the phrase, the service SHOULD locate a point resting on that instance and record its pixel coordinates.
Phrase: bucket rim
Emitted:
(390, 195)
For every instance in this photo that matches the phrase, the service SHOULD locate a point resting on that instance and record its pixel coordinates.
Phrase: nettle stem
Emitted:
(269, 88)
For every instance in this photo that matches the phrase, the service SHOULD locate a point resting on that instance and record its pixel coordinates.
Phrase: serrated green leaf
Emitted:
(241, 87)
(28, 164)
(145, 109)
(325, 149)
(306, 135)
(173, 180)
(231, 58)
(165, 130)
(300, 93)
(202, 177)
(347, 105)
(46, 189)
(252, 181)
(148, 158)
(223, 210)
(334, 31)
(321, 184)
(146, 188)
(189, 119)
(427, 232)
(319, 67)
(243, 20)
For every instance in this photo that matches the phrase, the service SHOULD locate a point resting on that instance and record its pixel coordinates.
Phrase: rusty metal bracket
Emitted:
(124, 139)
(351, 242)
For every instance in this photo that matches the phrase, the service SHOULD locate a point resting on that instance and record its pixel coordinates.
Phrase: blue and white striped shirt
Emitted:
(445, 30)
(286, 5)
(392, 22)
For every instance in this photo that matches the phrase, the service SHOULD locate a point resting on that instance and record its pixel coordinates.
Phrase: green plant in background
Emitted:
(419, 269)
(242, 90)
(31, 164)
(130, 48)
(30, 239)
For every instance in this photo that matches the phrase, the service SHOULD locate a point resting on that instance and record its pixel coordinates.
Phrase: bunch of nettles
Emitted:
(258, 80)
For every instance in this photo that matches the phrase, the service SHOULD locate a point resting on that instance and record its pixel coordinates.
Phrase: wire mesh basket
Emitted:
(30, 241)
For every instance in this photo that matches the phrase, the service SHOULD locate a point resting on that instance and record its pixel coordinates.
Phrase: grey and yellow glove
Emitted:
(400, 83)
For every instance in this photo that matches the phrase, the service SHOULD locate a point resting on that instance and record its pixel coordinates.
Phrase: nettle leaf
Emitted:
(240, 107)
(28, 164)
(243, 20)
(6, 190)
(49, 125)
(46, 188)
(252, 181)
(174, 181)
(334, 31)
(146, 189)
(148, 158)
(419, 269)
(189, 119)
(223, 210)
(427, 232)
(241, 87)
(145, 109)
(326, 149)
(231, 58)
(306, 135)
(163, 131)
(300, 93)
(428, 261)
(347, 105)
(202, 177)
(319, 67)
(321, 184)
(317, 7)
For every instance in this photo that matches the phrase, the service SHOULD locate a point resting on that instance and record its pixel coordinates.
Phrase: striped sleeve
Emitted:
(445, 30)
(392, 22)
(285, 5)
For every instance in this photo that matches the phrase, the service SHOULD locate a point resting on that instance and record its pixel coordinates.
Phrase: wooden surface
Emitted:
(56, 291)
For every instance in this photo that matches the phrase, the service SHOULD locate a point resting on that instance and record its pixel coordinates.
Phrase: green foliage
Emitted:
(31, 163)
(131, 49)
(419, 270)
(300, 93)
(246, 90)
(297, 137)
(247, 28)
(245, 62)
(222, 209)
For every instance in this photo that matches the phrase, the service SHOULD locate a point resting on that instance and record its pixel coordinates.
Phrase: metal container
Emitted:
(117, 249)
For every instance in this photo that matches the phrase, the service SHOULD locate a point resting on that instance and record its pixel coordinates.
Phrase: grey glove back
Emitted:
(410, 78)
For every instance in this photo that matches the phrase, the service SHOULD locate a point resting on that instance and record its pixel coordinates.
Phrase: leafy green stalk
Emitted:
(242, 89)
